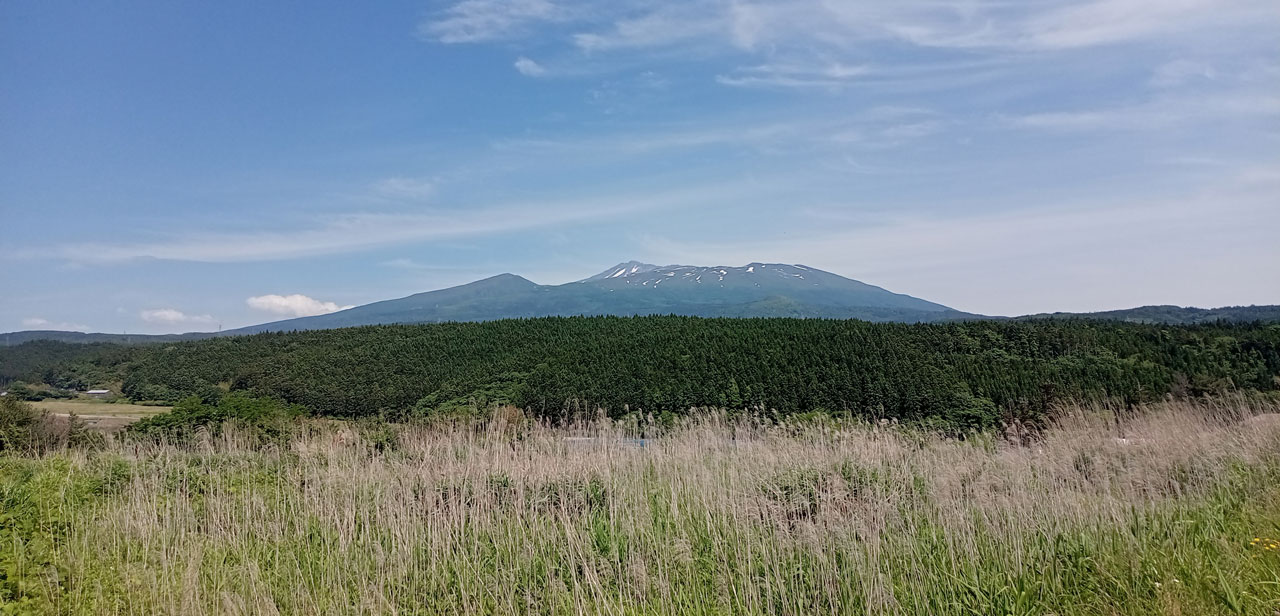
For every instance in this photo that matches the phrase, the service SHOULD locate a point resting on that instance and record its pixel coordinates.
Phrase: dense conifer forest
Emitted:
(956, 374)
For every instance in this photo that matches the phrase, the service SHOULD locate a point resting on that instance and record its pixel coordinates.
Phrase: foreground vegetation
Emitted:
(1173, 510)
(957, 375)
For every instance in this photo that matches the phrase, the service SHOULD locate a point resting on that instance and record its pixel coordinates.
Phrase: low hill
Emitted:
(1176, 315)
(14, 338)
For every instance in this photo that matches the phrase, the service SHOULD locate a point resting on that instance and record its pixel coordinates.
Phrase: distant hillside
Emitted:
(1176, 315)
(15, 338)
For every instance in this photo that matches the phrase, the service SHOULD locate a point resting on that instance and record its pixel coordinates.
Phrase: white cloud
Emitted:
(529, 68)
(170, 316)
(407, 189)
(45, 324)
(296, 305)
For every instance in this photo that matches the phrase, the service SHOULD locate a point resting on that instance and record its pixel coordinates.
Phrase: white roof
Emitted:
(98, 391)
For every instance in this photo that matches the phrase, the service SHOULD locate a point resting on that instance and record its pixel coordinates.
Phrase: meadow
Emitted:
(99, 408)
(99, 415)
(1173, 510)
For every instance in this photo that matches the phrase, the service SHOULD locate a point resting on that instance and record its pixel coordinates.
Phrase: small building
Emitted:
(98, 392)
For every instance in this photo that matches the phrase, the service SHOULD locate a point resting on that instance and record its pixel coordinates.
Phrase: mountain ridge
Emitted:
(635, 288)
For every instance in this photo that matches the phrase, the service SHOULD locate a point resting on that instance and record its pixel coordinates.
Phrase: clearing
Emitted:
(101, 415)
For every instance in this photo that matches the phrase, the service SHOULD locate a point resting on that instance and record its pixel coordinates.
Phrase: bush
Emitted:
(21, 391)
(267, 418)
(80, 436)
(380, 434)
(25, 429)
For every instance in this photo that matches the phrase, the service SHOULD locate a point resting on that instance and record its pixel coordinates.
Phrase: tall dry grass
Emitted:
(1154, 513)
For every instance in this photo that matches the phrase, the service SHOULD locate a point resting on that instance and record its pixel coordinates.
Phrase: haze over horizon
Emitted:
(172, 168)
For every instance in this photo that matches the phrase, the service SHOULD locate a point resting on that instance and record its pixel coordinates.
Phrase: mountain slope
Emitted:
(634, 288)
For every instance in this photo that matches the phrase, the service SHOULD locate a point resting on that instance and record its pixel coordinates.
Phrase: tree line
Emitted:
(958, 374)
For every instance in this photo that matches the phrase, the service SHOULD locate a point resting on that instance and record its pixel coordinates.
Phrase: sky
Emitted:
(171, 167)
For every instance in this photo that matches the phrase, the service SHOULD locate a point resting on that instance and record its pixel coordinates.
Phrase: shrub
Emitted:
(26, 429)
(267, 418)
(380, 434)
(80, 436)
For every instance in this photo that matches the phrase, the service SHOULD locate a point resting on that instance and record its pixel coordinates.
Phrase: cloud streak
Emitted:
(171, 316)
(404, 189)
(362, 231)
(45, 324)
(475, 21)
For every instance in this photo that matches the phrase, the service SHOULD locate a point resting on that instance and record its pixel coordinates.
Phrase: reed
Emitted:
(1154, 513)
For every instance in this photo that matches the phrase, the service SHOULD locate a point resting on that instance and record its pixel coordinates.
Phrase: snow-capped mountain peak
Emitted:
(623, 270)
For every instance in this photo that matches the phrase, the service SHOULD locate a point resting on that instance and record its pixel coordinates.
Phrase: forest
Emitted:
(961, 374)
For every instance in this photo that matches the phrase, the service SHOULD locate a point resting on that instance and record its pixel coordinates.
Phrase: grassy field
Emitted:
(98, 408)
(1176, 511)
(105, 416)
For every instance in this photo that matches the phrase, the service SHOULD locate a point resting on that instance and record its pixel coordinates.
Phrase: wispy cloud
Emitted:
(813, 75)
(875, 127)
(753, 25)
(295, 305)
(359, 231)
(408, 189)
(406, 263)
(171, 316)
(1156, 114)
(46, 324)
(474, 21)
(1179, 72)
(665, 25)
(1104, 22)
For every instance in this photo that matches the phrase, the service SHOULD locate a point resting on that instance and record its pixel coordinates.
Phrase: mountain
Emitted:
(634, 288)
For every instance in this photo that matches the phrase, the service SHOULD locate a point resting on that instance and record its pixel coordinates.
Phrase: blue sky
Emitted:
(174, 167)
